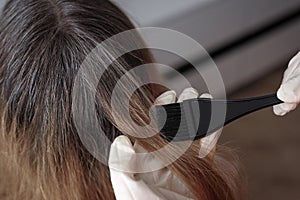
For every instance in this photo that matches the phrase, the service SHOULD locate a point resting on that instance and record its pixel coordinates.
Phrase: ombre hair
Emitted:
(42, 45)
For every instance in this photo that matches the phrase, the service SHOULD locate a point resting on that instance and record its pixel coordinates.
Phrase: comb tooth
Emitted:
(183, 120)
(176, 127)
(171, 125)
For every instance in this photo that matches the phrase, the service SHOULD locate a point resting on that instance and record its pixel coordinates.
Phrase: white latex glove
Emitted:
(289, 91)
(159, 184)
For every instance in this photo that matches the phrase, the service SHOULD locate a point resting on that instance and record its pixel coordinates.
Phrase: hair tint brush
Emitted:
(196, 118)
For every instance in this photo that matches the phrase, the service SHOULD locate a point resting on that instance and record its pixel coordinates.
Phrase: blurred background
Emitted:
(251, 42)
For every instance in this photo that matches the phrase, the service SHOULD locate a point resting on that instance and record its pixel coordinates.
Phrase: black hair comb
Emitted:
(196, 118)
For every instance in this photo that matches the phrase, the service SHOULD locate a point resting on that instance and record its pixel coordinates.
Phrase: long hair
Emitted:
(42, 45)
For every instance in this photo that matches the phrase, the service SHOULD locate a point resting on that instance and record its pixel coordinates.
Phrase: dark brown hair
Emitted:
(42, 45)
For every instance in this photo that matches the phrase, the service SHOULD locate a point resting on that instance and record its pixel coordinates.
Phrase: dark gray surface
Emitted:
(215, 24)
(2, 2)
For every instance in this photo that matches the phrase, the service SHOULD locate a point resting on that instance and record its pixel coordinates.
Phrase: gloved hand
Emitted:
(159, 184)
(289, 91)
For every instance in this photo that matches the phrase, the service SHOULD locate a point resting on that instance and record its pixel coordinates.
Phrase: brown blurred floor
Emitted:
(269, 146)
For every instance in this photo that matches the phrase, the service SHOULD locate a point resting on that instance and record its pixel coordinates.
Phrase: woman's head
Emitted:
(42, 46)
(43, 43)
